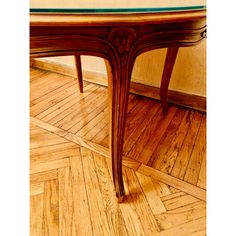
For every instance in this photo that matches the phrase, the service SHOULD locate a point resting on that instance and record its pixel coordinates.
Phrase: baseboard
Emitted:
(174, 97)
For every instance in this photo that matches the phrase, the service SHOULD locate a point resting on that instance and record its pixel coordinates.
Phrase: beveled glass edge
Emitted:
(115, 10)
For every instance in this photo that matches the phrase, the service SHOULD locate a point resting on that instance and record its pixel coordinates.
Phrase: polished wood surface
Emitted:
(118, 39)
(71, 187)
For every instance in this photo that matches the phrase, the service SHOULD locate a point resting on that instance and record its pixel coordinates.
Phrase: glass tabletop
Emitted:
(114, 6)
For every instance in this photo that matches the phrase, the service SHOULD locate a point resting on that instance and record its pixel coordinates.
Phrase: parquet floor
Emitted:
(71, 184)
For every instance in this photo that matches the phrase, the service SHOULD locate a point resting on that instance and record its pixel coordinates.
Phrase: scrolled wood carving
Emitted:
(123, 39)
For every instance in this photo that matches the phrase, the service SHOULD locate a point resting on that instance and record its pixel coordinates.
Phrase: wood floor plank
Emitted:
(58, 92)
(36, 74)
(162, 188)
(182, 159)
(166, 158)
(99, 126)
(96, 205)
(82, 217)
(151, 194)
(181, 215)
(137, 200)
(36, 78)
(36, 188)
(180, 201)
(202, 175)
(131, 139)
(136, 116)
(159, 128)
(167, 138)
(51, 82)
(173, 195)
(37, 131)
(36, 215)
(102, 134)
(50, 150)
(133, 100)
(105, 141)
(43, 176)
(130, 163)
(83, 106)
(114, 216)
(88, 144)
(48, 127)
(174, 190)
(52, 98)
(33, 127)
(42, 140)
(51, 208)
(53, 156)
(66, 208)
(42, 80)
(174, 182)
(72, 112)
(86, 116)
(195, 227)
(142, 141)
(92, 127)
(50, 165)
(196, 158)
(52, 111)
(88, 113)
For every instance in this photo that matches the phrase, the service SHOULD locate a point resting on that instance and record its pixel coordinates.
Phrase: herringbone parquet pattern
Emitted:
(71, 185)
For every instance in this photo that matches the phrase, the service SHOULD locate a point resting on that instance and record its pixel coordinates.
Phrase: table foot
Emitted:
(120, 198)
(164, 109)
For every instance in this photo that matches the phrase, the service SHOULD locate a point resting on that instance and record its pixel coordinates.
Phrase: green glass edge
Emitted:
(114, 10)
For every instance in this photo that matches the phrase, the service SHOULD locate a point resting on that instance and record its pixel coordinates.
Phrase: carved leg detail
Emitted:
(118, 100)
(168, 67)
(79, 72)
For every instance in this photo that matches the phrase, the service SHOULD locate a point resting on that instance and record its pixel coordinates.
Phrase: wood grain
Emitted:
(82, 217)
(97, 210)
(196, 158)
(36, 215)
(51, 208)
(79, 199)
(188, 188)
(65, 201)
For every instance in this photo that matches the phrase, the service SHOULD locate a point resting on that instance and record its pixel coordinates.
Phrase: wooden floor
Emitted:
(71, 185)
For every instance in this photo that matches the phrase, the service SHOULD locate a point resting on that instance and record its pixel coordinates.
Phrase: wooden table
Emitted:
(118, 38)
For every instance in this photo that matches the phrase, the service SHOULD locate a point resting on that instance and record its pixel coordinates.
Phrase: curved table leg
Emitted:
(168, 68)
(118, 88)
(79, 72)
